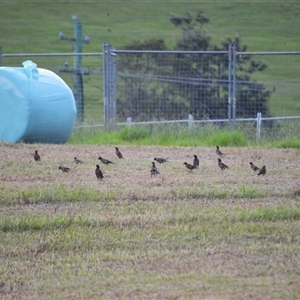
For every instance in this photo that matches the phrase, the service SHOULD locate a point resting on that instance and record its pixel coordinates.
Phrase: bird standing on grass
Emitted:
(77, 161)
(160, 160)
(36, 156)
(154, 171)
(253, 167)
(64, 169)
(189, 166)
(262, 171)
(118, 153)
(98, 172)
(222, 165)
(105, 161)
(196, 161)
(218, 151)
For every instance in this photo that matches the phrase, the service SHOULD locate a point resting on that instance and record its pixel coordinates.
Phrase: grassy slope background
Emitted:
(31, 26)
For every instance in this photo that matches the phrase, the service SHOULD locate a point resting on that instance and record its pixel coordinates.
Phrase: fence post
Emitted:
(109, 85)
(129, 120)
(234, 86)
(229, 82)
(258, 126)
(191, 121)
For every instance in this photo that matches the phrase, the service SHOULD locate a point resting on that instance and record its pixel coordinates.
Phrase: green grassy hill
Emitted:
(263, 26)
(34, 26)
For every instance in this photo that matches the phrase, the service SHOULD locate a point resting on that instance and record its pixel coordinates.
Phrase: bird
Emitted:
(36, 156)
(64, 169)
(118, 153)
(160, 160)
(262, 171)
(218, 151)
(222, 165)
(154, 171)
(189, 166)
(105, 161)
(77, 161)
(253, 167)
(98, 172)
(196, 161)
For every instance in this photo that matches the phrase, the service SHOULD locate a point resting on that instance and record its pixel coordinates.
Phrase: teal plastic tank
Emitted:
(36, 106)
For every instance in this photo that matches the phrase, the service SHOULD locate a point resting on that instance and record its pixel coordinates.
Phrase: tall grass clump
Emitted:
(286, 143)
(247, 193)
(93, 135)
(267, 214)
(161, 134)
(35, 223)
(56, 194)
(283, 135)
(197, 135)
(134, 134)
(214, 193)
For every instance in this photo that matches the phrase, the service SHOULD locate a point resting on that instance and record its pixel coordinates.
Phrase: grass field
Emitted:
(205, 234)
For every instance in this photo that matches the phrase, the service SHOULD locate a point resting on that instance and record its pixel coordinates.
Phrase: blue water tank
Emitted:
(36, 105)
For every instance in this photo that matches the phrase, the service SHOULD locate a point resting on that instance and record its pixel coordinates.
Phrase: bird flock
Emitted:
(154, 170)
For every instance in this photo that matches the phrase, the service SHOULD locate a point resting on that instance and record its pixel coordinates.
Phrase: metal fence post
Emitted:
(109, 85)
(234, 86)
(229, 82)
(113, 100)
(258, 126)
(105, 82)
(191, 121)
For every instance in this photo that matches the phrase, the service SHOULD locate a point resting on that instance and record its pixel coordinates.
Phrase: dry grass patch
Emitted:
(130, 178)
(204, 234)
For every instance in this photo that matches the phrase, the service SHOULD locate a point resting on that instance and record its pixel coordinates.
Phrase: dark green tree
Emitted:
(172, 86)
(211, 99)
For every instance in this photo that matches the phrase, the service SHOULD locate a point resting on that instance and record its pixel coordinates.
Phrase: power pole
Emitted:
(77, 70)
(0, 56)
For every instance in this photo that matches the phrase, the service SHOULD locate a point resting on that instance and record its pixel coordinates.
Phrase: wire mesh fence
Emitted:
(279, 80)
(171, 85)
(177, 86)
(91, 75)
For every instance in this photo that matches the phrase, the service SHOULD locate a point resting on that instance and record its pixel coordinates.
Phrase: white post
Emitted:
(129, 121)
(258, 126)
(191, 121)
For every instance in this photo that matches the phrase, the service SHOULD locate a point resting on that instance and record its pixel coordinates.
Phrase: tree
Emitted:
(172, 86)
(211, 99)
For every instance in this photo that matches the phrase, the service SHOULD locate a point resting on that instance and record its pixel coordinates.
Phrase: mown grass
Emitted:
(137, 250)
(189, 235)
(62, 194)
